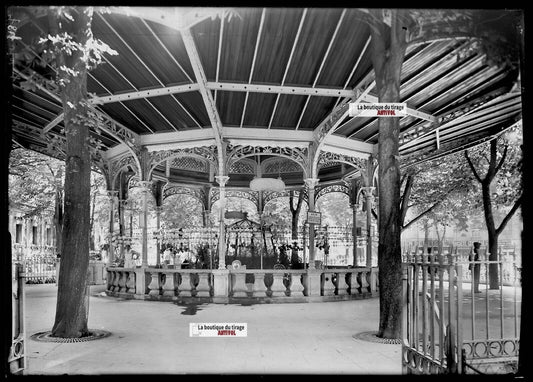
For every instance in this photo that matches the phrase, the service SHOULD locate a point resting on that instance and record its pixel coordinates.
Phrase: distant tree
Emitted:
(498, 173)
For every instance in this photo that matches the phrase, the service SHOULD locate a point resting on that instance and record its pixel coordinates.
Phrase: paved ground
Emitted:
(153, 338)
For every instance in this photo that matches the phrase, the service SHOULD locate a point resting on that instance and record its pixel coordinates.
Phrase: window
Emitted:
(34, 235)
(18, 233)
(48, 236)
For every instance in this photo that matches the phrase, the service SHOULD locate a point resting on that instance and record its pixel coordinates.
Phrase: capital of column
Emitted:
(112, 195)
(146, 185)
(311, 183)
(368, 191)
(222, 180)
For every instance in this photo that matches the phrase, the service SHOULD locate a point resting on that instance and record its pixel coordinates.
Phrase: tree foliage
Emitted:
(34, 180)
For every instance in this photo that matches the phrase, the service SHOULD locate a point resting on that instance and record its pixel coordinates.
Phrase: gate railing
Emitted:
(449, 326)
(432, 335)
(17, 356)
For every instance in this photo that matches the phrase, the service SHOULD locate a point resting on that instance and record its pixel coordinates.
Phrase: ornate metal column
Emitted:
(311, 183)
(158, 210)
(146, 188)
(122, 204)
(369, 198)
(222, 180)
(354, 193)
(112, 196)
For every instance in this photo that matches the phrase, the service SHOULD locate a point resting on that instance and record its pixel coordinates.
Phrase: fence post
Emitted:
(17, 360)
(405, 297)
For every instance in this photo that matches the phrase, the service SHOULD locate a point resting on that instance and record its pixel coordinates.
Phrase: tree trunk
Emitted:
(71, 310)
(491, 233)
(91, 224)
(388, 51)
(58, 218)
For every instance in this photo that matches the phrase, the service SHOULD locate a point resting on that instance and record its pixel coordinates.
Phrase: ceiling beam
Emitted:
(157, 92)
(207, 97)
(277, 89)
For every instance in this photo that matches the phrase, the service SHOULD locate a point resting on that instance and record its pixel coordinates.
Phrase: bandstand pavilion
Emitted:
(218, 103)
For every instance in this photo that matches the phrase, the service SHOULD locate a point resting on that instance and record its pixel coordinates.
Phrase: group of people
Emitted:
(176, 258)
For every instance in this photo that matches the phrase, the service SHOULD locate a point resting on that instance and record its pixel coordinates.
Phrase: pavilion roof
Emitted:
(270, 75)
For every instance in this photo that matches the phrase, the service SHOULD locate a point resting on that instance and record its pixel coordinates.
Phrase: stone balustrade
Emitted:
(237, 285)
(121, 280)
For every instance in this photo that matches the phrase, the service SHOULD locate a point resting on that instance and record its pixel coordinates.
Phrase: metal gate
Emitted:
(17, 360)
(449, 326)
(431, 332)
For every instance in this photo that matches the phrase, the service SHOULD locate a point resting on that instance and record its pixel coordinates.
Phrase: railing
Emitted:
(121, 280)
(449, 326)
(261, 285)
(350, 283)
(509, 271)
(40, 268)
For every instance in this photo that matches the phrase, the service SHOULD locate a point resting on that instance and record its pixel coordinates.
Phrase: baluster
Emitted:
(278, 288)
(169, 287)
(342, 286)
(364, 281)
(130, 282)
(155, 284)
(110, 278)
(259, 287)
(328, 284)
(296, 287)
(203, 288)
(239, 285)
(122, 282)
(116, 280)
(355, 286)
(185, 288)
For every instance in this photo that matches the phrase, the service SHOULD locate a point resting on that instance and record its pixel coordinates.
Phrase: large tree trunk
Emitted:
(388, 51)
(58, 217)
(71, 311)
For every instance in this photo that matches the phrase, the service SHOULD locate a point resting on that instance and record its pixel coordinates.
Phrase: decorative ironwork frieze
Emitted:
(243, 166)
(297, 154)
(271, 195)
(342, 188)
(170, 189)
(280, 166)
(328, 159)
(248, 195)
(119, 164)
(203, 153)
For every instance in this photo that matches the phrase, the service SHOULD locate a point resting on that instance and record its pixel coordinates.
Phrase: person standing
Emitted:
(475, 267)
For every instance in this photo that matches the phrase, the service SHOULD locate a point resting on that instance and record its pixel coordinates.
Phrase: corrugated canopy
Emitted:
(274, 76)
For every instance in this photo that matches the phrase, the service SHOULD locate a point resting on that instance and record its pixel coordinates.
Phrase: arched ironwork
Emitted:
(248, 195)
(341, 187)
(279, 166)
(269, 196)
(297, 154)
(206, 154)
(117, 166)
(243, 166)
(172, 189)
(328, 158)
